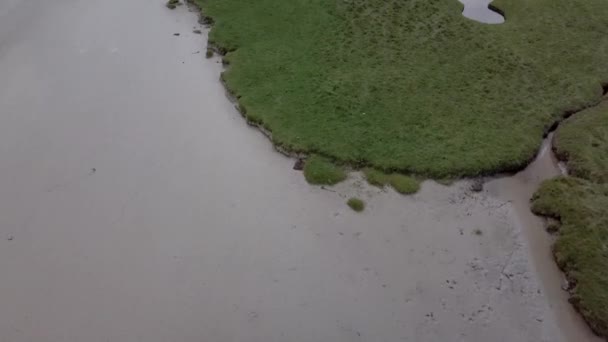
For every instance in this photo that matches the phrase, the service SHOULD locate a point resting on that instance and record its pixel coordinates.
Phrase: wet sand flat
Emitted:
(137, 205)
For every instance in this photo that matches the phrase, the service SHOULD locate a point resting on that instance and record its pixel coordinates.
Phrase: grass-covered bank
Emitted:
(580, 203)
(581, 247)
(411, 85)
(582, 142)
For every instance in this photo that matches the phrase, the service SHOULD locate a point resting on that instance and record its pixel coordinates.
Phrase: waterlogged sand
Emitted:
(137, 205)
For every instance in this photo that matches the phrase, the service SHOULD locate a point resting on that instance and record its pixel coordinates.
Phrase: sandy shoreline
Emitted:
(142, 207)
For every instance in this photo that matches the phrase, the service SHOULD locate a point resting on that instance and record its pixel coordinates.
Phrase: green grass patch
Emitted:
(401, 183)
(319, 170)
(375, 177)
(356, 204)
(579, 205)
(582, 141)
(581, 247)
(411, 85)
(404, 184)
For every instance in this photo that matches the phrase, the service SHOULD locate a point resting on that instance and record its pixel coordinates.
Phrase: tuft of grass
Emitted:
(209, 53)
(401, 183)
(172, 4)
(319, 170)
(478, 232)
(404, 184)
(375, 177)
(412, 85)
(356, 204)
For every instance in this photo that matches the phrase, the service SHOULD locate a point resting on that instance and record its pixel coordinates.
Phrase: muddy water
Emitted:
(478, 10)
(137, 205)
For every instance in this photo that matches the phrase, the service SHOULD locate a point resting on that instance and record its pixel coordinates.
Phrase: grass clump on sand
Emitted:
(580, 205)
(401, 183)
(356, 204)
(172, 4)
(319, 170)
(411, 85)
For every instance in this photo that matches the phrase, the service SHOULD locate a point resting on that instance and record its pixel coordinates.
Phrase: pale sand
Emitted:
(137, 205)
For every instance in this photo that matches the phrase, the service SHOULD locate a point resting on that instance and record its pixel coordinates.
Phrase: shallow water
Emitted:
(137, 205)
(478, 10)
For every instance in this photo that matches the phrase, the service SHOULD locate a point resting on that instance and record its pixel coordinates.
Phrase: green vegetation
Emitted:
(582, 242)
(579, 204)
(172, 4)
(411, 85)
(356, 204)
(401, 183)
(319, 170)
(404, 184)
(582, 142)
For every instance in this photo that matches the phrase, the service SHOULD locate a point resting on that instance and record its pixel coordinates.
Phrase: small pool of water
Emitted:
(479, 10)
